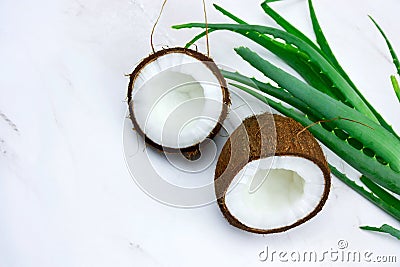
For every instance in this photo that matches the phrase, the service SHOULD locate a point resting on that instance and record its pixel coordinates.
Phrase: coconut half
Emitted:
(177, 99)
(271, 175)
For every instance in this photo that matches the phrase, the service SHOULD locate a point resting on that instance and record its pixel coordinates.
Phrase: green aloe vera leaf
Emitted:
(284, 96)
(271, 1)
(380, 192)
(286, 24)
(317, 130)
(385, 228)
(383, 142)
(229, 14)
(314, 77)
(224, 12)
(396, 86)
(323, 43)
(293, 30)
(393, 211)
(266, 88)
(326, 52)
(321, 40)
(340, 83)
(197, 37)
(389, 45)
(271, 90)
(292, 56)
(366, 165)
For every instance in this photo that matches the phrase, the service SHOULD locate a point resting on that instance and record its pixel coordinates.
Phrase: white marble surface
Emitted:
(66, 195)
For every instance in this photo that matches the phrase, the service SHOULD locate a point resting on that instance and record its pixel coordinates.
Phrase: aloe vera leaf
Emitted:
(306, 70)
(229, 14)
(197, 37)
(293, 30)
(294, 102)
(271, 1)
(286, 24)
(224, 12)
(385, 228)
(271, 90)
(293, 57)
(323, 43)
(388, 147)
(279, 93)
(326, 52)
(321, 40)
(380, 192)
(396, 86)
(395, 212)
(266, 88)
(339, 82)
(389, 45)
(392, 210)
(393, 79)
(283, 95)
(364, 164)
(289, 98)
(312, 77)
(380, 119)
(304, 66)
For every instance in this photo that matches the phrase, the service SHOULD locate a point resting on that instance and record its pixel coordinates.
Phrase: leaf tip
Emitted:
(240, 49)
(268, 1)
(217, 7)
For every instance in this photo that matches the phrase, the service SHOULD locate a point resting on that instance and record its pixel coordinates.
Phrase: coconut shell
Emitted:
(263, 136)
(192, 152)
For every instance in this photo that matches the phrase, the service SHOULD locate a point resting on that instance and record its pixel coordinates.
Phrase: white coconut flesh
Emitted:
(177, 100)
(286, 189)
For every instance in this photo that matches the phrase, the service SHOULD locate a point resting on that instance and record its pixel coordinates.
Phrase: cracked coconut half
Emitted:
(177, 99)
(271, 175)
